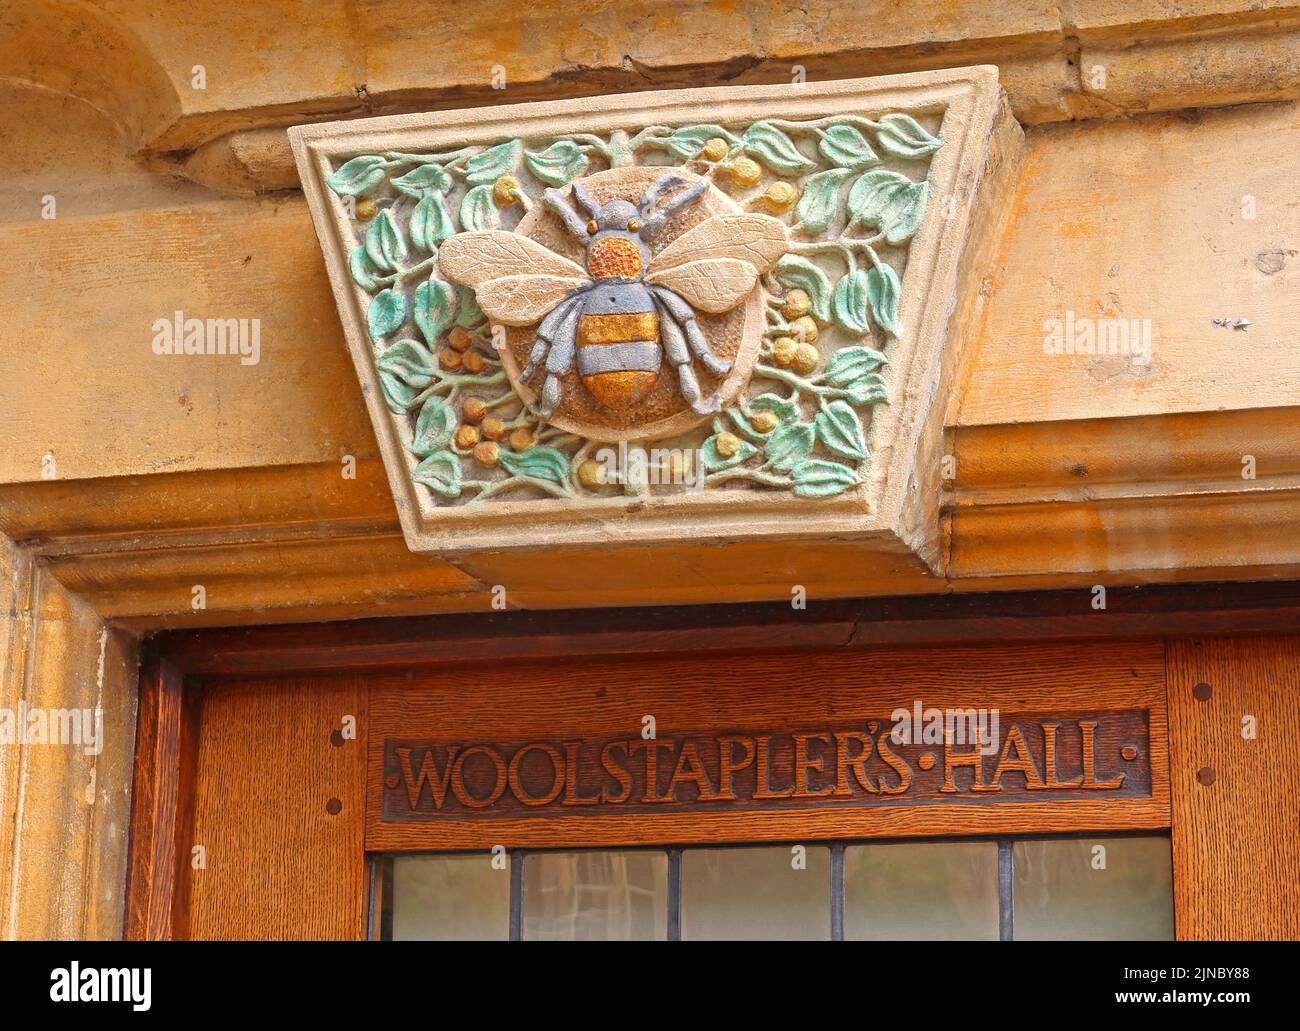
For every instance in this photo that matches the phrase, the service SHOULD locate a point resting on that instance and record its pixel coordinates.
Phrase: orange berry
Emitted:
(804, 328)
(493, 428)
(466, 437)
(460, 339)
(487, 453)
(783, 349)
(449, 359)
(522, 438)
(591, 474)
(765, 422)
(473, 409)
(473, 362)
(805, 359)
(728, 445)
(745, 172)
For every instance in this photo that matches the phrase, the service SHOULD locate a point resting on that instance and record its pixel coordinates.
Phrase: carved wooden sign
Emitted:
(679, 314)
(875, 763)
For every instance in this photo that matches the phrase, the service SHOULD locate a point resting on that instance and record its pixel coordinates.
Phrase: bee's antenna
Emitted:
(584, 200)
(554, 200)
(656, 213)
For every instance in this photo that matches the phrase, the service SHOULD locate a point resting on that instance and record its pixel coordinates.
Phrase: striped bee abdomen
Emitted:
(618, 356)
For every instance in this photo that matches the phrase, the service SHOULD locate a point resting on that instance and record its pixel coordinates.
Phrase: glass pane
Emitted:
(450, 898)
(1111, 888)
(596, 896)
(932, 891)
(756, 893)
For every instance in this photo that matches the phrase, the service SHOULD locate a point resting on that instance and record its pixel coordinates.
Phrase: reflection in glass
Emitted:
(755, 894)
(595, 896)
(1091, 888)
(944, 891)
(450, 898)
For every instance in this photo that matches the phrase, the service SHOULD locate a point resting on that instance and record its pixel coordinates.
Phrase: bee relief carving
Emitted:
(653, 263)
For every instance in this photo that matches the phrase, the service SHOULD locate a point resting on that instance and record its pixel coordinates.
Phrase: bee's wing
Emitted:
(757, 239)
(710, 284)
(515, 280)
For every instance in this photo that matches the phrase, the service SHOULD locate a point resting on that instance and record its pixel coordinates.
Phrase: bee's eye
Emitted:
(634, 226)
(592, 227)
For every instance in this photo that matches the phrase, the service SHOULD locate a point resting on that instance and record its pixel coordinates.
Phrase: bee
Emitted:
(617, 317)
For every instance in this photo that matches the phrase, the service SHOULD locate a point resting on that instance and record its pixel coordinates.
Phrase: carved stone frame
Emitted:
(897, 502)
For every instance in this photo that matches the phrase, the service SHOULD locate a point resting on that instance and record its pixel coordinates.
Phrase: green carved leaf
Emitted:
(890, 201)
(903, 136)
(884, 290)
(357, 177)
(843, 145)
(405, 369)
(387, 313)
(470, 313)
(868, 390)
(817, 479)
(795, 273)
(384, 244)
(786, 409)
(558, 163)
(840, 431)
(363, 273)
(690, 140)
(776, 150)
(433, 307)
(422, 179)
(477, 210)
(820, 199)
(852, 363)
(439, 472)
(541, 463)
(789, 445)
(492, 164)
(430, 224)
(434, 428)
(849, 304)
(714, 462)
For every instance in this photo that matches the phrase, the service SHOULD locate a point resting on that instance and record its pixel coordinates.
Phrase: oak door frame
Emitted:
(175, 664)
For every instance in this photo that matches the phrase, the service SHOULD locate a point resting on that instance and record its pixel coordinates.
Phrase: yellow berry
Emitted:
(804, 328)
(473, 362)
(505, 191)
(765, 422)
(460, 339)
(805, 359)
(715, 149)
(522, 439)
(783, 349)
(797, 303)
(473, 409)
(745, 172)
(591, 474)
(449, 359)
(487, 453)
(366, 210)
(466, 437)
(780, 197)
(728, 445)
(493, 428)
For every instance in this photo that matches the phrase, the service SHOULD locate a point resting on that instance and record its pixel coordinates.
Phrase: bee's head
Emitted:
(615, 249)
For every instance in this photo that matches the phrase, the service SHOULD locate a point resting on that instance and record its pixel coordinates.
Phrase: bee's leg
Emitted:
(685, 315)
(680, 356)
(558, 362)
(546, 336)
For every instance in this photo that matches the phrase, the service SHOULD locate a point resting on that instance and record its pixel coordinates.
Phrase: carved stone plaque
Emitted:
(717, 313)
